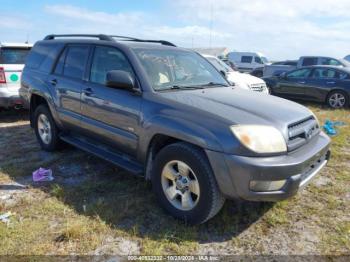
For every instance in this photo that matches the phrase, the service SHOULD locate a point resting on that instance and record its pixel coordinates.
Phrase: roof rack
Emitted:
(127, 38)
(100, 36)
(110, 38)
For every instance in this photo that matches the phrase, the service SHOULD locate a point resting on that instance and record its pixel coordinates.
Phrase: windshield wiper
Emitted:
(178, 87)
(211, 84)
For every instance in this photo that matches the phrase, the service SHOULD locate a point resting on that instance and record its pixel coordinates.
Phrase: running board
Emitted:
(119, 160)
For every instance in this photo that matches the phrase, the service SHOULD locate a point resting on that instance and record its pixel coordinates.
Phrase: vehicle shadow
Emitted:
(13, 115)
(94, 187)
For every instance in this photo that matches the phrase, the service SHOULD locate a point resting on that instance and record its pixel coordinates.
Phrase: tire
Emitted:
(209, 200)
(338, 99)
(41, 115)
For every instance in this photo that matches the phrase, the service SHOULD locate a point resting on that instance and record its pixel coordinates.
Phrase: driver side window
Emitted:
(301, 73)
(106, 59)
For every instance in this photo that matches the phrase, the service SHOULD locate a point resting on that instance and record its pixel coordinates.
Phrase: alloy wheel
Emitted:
(44, 129)
(180, 185)
(337, 100)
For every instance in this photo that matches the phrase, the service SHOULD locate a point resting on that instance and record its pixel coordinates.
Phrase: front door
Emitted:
(293, 84)
(110, 114)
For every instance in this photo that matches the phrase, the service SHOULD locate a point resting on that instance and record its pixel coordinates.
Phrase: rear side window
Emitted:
(323, 73)
(246, 59)
(42, 56)
(60, 63)
(106, 59)
(309, 61)
(13, 55)
(75, 61)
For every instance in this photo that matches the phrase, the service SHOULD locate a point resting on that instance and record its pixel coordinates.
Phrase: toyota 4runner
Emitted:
(167, 114)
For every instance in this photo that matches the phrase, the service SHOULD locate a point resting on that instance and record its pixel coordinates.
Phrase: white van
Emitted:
(12, 60)
(247, 61)
(244, 81)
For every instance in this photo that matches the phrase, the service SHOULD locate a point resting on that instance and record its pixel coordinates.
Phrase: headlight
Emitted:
(260, 139)
(318, 122)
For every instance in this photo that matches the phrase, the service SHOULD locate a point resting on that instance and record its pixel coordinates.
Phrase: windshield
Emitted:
(264, 59)
(167, 69)
(219, 65)
(12, 55)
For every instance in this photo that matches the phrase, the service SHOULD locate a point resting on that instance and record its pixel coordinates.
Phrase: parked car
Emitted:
(247, 61)
(166, 113)
(240, 80)
(258, 72)
(347, 58)
(12, 59)
(326, 84)
(229, 63)
(287, 62)
(274, 70)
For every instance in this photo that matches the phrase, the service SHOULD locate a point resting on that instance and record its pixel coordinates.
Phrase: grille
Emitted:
(258, 87)
(301, 132)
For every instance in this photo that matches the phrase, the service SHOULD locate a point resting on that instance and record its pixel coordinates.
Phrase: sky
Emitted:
(280, 29)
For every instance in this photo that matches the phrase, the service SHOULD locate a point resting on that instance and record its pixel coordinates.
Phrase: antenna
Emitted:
(27, 39)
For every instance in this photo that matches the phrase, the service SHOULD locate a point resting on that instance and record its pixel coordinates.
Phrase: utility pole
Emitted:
(211, 22)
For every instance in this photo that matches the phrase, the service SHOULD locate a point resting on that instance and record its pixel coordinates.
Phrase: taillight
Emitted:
(2, 76)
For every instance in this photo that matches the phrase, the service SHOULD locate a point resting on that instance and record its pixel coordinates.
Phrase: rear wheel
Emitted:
(45, 129)
(338, 99)
(185, 185)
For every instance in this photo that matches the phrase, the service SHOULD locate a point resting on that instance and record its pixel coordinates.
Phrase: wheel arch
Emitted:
(345, 92)
(38, 98)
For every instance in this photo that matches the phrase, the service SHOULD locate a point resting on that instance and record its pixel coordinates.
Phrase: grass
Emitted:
(92, 207)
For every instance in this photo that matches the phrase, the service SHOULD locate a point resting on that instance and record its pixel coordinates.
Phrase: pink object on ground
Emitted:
(42, 174)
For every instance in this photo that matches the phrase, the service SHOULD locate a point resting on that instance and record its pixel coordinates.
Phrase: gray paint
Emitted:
(127, 121)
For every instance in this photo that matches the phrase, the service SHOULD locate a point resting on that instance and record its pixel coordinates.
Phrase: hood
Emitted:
(237, 106)
(242, 80)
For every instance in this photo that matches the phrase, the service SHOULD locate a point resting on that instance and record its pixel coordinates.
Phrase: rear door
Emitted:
(68, 80)
(110, 115)
(294, 83)
(12, 60)
(322, 81)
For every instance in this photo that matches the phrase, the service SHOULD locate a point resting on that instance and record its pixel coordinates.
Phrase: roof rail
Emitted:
(127, 38)
(100, 36)
(110, 38)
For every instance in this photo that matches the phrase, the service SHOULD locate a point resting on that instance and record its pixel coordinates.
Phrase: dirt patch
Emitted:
(117, 246)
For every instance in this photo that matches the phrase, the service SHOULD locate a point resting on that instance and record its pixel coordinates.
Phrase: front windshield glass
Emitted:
(264, 59)
(219, 65)
(175, 69)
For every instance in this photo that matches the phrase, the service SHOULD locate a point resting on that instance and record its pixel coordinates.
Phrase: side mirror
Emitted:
(223, 73)
(283, 75)
(120, 79)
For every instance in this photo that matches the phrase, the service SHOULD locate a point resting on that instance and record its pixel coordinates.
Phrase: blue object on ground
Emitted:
(329, 127)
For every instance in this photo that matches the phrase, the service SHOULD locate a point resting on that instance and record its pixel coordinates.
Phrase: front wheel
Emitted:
(185, 185)
(338, 99)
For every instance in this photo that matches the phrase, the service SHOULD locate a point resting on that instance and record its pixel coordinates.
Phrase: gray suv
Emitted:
(167, 114)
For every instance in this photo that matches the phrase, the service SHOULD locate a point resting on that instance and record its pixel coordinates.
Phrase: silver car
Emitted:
(12, 60)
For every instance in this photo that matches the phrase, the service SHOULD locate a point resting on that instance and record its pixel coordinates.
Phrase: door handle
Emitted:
(53, 82)
(331, 82)
(302, 82)
(88, 91)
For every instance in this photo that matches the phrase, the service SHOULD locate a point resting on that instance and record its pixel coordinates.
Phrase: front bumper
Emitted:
(234, 173)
